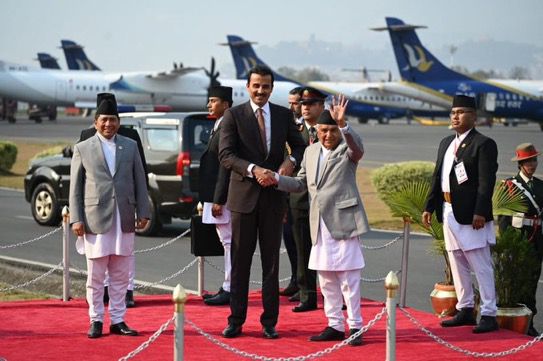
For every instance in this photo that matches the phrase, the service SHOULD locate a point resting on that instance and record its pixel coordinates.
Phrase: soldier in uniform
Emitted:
(529, 222)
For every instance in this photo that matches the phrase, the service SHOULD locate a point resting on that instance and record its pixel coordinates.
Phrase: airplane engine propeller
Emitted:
(212, 74)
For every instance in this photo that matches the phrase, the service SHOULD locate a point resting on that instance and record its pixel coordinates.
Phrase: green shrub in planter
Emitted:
(392, 178)
(8, 155)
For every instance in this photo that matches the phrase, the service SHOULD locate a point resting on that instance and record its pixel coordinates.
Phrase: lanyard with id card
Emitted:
(460, 171)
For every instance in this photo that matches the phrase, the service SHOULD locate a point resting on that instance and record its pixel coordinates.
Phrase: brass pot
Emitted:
(444, 300)
(514, 318)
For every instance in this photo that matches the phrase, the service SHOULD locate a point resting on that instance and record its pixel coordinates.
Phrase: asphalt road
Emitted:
(383, 144)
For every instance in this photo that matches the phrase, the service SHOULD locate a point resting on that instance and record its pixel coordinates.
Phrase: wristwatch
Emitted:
(292, 159)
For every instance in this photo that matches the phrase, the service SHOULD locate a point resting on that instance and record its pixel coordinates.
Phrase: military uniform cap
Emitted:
(222, 92)
(311, 95)
(326, 118)
(525, 151)
(106, 104)
(464, 101)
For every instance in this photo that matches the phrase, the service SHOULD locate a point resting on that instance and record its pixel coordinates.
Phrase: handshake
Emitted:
(264, 177)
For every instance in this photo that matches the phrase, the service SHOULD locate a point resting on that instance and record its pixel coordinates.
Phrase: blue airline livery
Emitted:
(496, 97)
(381, 101)
(47, 61)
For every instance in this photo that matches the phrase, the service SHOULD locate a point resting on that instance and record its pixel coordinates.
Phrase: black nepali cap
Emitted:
(464, 101)
(106, 104)
(222, 92)
(326, 118)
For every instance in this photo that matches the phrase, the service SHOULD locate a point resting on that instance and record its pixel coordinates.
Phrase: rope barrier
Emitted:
(468, 352)
(31, 240)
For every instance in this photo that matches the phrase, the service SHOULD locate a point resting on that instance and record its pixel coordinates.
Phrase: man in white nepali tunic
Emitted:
(337, 218)
(107, 189)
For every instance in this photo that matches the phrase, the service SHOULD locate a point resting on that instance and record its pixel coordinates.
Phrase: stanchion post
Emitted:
(201, 260)
(201, 275)
(65, 254)
(391, 285)
(405, 259)
(179, 299)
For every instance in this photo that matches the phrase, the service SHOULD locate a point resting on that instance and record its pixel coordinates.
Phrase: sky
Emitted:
(137, 35)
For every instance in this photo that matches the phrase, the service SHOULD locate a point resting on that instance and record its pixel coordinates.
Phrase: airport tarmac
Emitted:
(394, 142)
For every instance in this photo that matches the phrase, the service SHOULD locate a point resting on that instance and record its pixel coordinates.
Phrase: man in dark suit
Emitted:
(461, 195)
(132, 134)
(214, 180)
(530, 222)
(253, 138)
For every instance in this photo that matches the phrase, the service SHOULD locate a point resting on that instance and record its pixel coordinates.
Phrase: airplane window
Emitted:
(77, 87)
(90, 87)
(84, 87)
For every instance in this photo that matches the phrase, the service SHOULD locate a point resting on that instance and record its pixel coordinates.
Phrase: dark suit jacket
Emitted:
(240, 145)
(214, 178)
(300, 200)
(479, 154)
(127, 132)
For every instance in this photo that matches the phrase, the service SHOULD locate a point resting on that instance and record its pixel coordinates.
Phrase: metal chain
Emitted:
(181, 271)
(151, 339)
(253, 282)
(375, 280)
(58, 266)
(167, 243)
(384, 245)
(31, 240)
(468, 352)
(253, 356)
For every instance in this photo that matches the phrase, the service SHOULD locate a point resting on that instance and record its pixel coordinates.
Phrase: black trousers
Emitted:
(307, 279)
(290, 245)
(264, 223)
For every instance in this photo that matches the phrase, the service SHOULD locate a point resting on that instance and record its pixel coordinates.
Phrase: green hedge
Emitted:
(8, 155)
(393, 177)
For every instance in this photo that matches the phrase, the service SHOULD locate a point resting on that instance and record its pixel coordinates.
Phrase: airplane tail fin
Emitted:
(245, 58)
(76, 57)
(415, 62)
(47, 61)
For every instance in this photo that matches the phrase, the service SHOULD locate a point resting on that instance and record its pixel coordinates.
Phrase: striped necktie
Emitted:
(262, 127)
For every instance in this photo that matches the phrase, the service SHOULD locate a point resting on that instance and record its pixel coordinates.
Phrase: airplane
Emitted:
(369, 100)
(47, 61)
(76, 59)
(423, 72)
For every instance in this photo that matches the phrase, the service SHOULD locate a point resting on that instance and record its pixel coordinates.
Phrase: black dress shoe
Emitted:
(231, 331)
(462, 318)
(122, 329)
(95, 329)
(357, 341)
(106, 295)
(269, 332)
(305, 306)
(486, 324)
(329, 334)
(129, 299)
(295, 297)
(209, 295)
(219, 299)
(532, 331)
(290, 290)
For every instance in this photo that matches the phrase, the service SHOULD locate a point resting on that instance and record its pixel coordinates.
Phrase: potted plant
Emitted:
(514, 259)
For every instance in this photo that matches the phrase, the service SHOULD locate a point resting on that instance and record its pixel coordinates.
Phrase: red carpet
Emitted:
(56, 330)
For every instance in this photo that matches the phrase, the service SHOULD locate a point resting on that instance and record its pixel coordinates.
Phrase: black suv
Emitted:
(173, 144)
